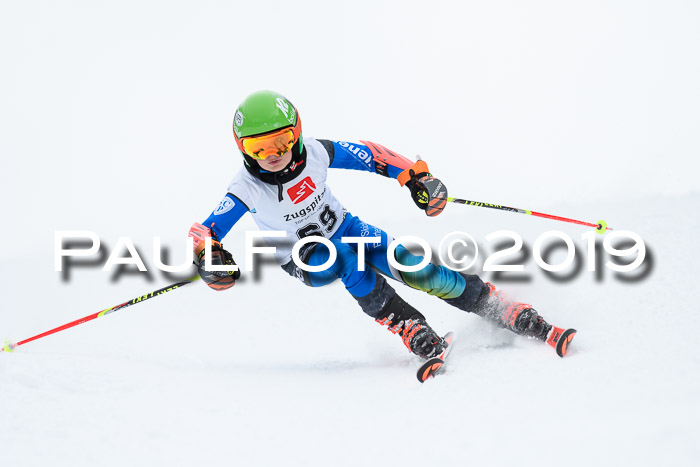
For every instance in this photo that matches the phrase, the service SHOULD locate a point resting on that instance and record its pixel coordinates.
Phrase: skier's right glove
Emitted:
(429, 193)
(217, 280)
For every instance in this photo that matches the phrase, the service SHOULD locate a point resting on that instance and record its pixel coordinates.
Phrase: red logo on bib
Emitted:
(301, 190)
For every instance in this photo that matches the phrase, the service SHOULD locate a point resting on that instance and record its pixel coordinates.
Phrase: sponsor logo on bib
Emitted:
(301, 190)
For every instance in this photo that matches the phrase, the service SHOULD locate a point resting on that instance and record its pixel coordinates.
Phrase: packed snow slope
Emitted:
(116, 118)
(274, 373)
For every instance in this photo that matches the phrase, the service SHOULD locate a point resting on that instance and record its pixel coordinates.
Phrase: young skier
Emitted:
(283, 186)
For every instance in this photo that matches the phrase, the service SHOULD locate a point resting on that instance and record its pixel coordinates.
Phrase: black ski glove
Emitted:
(217, 280)
(429, 193)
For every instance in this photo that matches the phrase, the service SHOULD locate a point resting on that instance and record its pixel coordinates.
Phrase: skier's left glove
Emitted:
(429, 193)
(217, 280)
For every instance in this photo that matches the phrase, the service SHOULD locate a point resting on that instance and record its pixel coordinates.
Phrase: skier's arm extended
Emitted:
(217, 225)
(429, 193)
(360, 156)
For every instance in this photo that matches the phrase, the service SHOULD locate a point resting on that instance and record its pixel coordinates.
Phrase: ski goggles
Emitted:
(277, 143)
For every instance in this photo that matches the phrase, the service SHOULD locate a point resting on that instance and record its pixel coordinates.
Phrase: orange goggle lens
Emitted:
(272, 144)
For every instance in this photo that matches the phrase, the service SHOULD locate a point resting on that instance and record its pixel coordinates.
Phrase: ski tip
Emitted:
(560, 338)
(429, 368)
(564, 341)
(433, 365)
(7, 347)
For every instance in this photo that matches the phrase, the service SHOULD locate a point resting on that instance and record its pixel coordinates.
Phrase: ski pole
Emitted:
(8, 347)
(600, 226)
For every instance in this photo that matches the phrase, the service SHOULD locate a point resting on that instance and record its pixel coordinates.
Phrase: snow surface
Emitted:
(117, 120)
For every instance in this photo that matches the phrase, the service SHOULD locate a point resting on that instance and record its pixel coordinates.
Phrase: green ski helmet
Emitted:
(263, 113)
(267, 123)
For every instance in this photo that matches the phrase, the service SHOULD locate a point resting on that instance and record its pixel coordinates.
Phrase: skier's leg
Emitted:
(374, 295)
(464, 291)
(469, 293)
(435, 280)
(483, 299)
(402, 319)
(358, 283)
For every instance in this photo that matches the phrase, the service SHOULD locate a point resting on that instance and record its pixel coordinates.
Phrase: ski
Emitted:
(434, 365)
